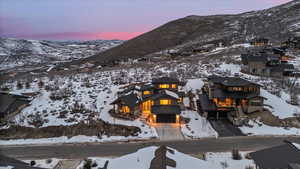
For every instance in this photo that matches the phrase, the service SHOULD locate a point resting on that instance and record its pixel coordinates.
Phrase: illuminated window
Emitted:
(125, 109)
(174, 86)
(165, 102)
(215, 100)
(237, 89)
(224, 103)
(180, 100)
(147, 92)
(146, 106)
(164, 86)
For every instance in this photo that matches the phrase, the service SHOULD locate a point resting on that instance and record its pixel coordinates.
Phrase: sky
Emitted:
(107, 19)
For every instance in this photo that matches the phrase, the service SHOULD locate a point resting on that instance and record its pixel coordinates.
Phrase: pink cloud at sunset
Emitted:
(81, 36)
(118, 35)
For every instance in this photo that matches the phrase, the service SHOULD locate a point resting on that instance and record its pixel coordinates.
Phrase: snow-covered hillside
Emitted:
(93, 92)
(18, 52)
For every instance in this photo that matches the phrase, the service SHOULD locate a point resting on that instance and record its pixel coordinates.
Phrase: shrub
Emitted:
(224, 164)
(48, 161)
(27, 85)
(19, 85)
(36, 120)
(236, 154)
(41, 84)
(94, 164)
(247, 156)
(87, 164)
(32, 163)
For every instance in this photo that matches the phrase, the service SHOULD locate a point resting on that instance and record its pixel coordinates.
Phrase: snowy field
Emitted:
(279, 105)
(142, 159)
(94, 93)
(262, 129)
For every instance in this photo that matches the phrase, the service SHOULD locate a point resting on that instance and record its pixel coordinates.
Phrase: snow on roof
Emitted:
(296, 145)
(138, 87)
(173, 94)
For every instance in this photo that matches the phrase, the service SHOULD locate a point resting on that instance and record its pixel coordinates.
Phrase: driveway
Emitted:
(225, 128)
(168, 131)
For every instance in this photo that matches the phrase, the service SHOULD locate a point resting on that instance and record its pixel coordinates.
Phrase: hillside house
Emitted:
(229, 97)
(204, 48)
(158, 102)
(127, 104)
(286, 156)
(11, 104)
(293, 43)
(259, 42)
(264, 63)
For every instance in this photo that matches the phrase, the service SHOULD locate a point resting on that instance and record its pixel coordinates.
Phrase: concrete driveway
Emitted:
(169, 131)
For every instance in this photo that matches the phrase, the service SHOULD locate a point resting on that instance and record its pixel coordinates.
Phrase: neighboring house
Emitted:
(266, 63)
(293, 42)
(230, 97)
(14, 164)
(157, 102)
(127, 104)
(294, 166)
(10, 104)
(259, 42)
(286, 156)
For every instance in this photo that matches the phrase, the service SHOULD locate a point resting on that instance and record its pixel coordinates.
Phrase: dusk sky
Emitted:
(106, 19)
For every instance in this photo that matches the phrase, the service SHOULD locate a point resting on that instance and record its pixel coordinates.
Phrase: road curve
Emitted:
(80, 151)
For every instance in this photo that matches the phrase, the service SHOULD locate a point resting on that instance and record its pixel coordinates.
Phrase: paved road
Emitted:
(168, 132)
(80, 151)
(225, 128)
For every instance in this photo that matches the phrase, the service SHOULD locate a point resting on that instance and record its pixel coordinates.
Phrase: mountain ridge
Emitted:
(276, 23)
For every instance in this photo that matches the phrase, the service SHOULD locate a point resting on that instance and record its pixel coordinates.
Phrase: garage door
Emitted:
(166, 118)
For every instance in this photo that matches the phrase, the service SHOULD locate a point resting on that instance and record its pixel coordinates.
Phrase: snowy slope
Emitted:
(198, 127)
(18, 52)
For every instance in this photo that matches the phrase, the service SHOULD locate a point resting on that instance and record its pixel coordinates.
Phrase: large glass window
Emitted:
(147, 105)
(147, 92)
(125, 109)
(164, 86)
(224, 103)
(165, 102)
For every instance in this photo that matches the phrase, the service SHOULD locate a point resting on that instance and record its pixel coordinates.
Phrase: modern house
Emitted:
(286, 156)
(14, 163)
(157, 102)
(259, 42)
(266, 63)
(11, 104)
(229, 97)
(127, 104)
(293, 42)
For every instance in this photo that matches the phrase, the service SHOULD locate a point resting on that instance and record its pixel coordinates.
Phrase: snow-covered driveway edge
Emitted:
(75, 139)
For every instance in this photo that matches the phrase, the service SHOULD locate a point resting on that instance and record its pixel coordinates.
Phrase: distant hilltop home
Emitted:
(11, 104)
(266, 63)
(259, 42)
(293, 42)
(157, 102)
(230, 97)
(286, 156)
